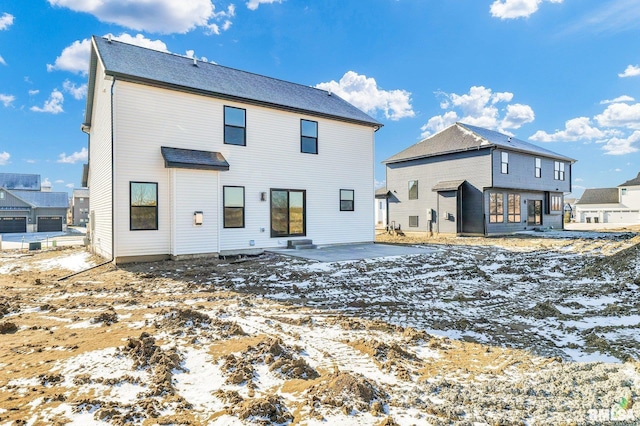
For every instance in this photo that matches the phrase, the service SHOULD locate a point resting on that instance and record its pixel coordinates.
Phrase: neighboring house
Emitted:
(470, 180)
(80, 207)
(191, 158)
(380, 207)
(611, 205)
(24, 207)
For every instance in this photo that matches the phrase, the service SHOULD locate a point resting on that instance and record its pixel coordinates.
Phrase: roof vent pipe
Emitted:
(195, 62)
(329, 91)
(109, 37)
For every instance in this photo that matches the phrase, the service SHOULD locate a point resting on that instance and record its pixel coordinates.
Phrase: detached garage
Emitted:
(13, 224)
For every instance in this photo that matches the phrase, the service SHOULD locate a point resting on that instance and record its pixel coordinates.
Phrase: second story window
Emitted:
(413, 189)
(309, 136)
(235, 129)
(558, 170)
(504, 165)
(538, 168)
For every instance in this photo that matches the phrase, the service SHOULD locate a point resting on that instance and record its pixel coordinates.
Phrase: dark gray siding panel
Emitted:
(472, 166)
(447, 212)
(522, 173)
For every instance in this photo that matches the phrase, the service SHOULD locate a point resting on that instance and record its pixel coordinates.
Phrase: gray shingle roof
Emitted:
(44, 199)
(193, 159)
(448, 185)
(126, 61)
(20, 181)
(599, 196)
(633, 182)
(464, 137)
(81, 192)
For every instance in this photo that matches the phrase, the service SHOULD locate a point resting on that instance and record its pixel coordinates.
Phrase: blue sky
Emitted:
(563, 74)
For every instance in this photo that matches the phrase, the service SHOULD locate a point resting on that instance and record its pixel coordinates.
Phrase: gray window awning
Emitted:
(448, 185)
(179, 158)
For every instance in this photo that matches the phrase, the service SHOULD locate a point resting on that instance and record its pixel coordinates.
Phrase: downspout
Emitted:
(113, 185)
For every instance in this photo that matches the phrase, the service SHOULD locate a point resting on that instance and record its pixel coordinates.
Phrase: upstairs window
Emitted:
(235, 130)
(413, 189)
(346, 200)
(538, 168)
(309, 136)
(558, 170)
(143, 206)
(504, 165)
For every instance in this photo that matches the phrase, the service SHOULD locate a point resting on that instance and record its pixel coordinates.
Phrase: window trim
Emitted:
(224, 207)
(558, 170)
(224, 131)
(314, 138)
(498, 216)
(352, 200)
(131, 206)
(504, 162)
(417, 190)
(538, 167)
(514, 216)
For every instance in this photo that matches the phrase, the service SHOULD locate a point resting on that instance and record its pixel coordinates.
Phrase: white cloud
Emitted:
(59, 181)
(377, 184)
(512, 9)
(75, 58)
(7, 100)
(578, 180)
(364, 93)
(620, 115)
(623, 98)
(516, 116)
(83, 155)
(575, 129)
(154, 16)
(253, 4)
(479, 107)
(630, 71)
(6, 20)
(53, 105)
(78, 92)
(611, 16)
(622, 146)
(69, 185)
(46, 182)
(33, 92)
(2, 61)
(4, 158)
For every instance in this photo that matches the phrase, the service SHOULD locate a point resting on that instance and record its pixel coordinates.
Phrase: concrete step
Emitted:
(301, 244)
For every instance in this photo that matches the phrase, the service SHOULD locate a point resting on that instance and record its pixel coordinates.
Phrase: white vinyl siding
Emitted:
(148, 118)
(100, 167)
(194, 191)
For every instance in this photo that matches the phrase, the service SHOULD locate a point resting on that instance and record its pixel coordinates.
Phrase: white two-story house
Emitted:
(611, 205)
(192, 158)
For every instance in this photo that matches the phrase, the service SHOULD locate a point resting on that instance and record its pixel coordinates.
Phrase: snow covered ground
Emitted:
(535, 329)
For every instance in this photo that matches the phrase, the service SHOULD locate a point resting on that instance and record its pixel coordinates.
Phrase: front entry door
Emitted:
(288, 213)
(534, 216)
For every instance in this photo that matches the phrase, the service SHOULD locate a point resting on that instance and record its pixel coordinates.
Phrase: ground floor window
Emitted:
(233, 200)
(413, 221)
(496, 207)
(288, 213)
(143, 206)
(534, 210)
(513, 208)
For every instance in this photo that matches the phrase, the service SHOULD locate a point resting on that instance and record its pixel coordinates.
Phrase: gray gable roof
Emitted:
(464, 137)
(632, 182)
(147, 66)
(20, 181)
(44, 199)
(599, 196)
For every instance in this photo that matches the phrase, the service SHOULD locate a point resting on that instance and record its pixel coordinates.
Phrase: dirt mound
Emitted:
(8, 327)
(191, 321)
(620, 263)
(106, 318)
(283, 360)
(146, 353)
(543, 310)
(265, 411)
(347, 390)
